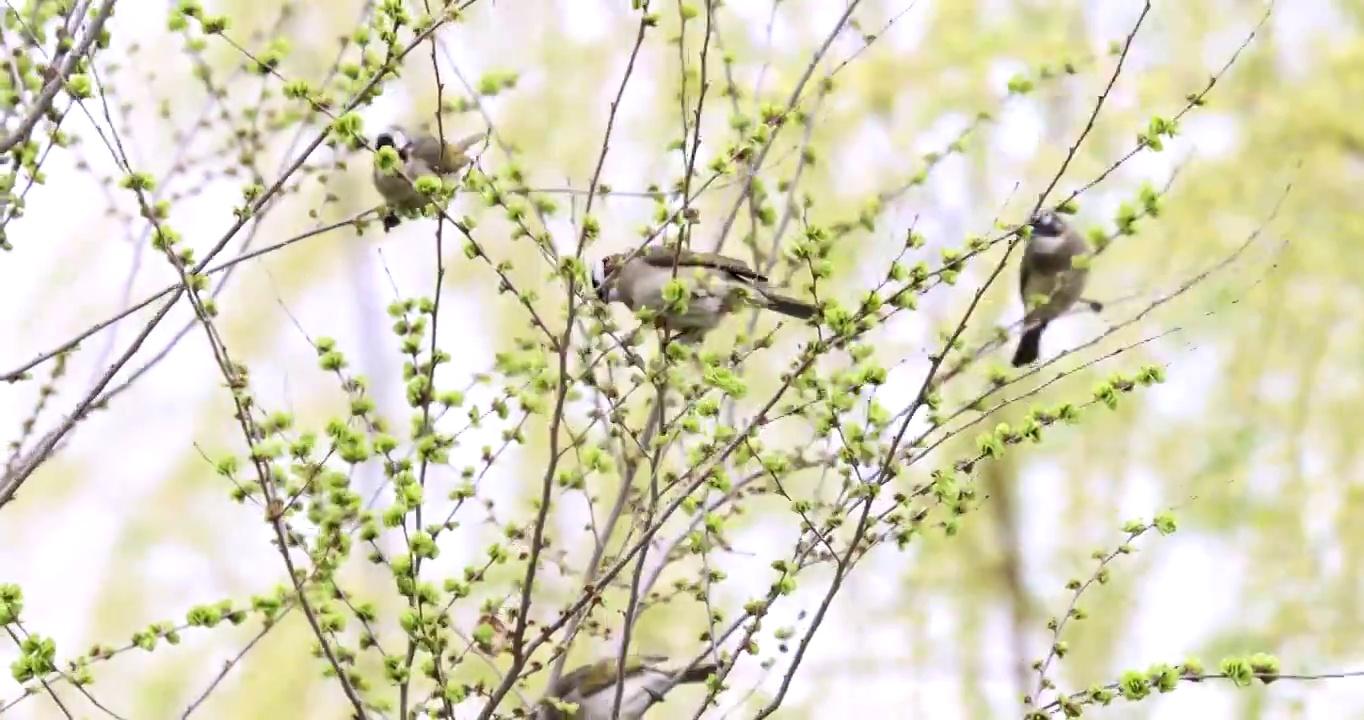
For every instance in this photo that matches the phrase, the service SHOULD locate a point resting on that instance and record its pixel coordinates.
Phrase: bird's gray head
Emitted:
(1048, 223)
(395, 138)
(601, 269)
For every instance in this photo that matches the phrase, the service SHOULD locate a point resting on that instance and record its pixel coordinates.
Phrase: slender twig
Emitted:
(227, 668)
(424, 462)
(1098, 106)
(58, 80)
(757, 163)
(520, 649)
(11, 481)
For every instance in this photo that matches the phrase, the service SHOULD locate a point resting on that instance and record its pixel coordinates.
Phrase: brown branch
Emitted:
(58, 80)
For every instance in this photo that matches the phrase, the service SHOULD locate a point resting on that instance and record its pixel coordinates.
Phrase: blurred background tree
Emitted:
(945, 117)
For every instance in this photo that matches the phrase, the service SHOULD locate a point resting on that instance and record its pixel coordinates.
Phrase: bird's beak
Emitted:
(604, 287)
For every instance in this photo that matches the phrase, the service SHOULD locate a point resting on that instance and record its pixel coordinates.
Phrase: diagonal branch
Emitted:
(58, 80)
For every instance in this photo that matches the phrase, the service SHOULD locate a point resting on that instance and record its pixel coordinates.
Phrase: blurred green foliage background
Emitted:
(1251, 441)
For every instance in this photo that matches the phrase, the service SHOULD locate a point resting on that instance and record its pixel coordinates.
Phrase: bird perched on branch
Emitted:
(419, 155)
(718, 286)
(593, 688)
(1051, 279)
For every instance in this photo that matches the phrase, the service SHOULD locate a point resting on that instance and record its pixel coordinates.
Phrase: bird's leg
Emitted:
(661, 327)
(668, 335)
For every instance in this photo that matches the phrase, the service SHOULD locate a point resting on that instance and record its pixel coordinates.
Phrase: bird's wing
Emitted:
(650, 661)
(442, 159)
(1029, 278)
(665, 257)
(570, 680)
(637, 697)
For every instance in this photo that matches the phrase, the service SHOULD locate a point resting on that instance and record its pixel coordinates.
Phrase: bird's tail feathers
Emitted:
(470, 141)
(699, 673)
(1029, 345)
(778, 301)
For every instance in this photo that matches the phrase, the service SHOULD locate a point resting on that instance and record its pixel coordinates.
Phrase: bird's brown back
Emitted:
(666, 257)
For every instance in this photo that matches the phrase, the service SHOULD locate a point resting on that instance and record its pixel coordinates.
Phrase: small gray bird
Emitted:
(593, 688)
(719, 285)
(420, 155)
(1048, 281)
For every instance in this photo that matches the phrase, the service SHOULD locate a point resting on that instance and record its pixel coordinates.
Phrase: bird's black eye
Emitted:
(1046, 223)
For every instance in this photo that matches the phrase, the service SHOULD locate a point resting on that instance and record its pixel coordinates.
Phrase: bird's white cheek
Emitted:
(1048, 245)
(706, 305)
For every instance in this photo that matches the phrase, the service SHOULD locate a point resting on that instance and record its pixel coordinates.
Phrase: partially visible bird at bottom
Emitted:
(719, 285)
(592, 688)
(421, 154)
(1049, 270)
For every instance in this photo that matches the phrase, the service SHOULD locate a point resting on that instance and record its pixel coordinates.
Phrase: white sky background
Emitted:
(57, 554)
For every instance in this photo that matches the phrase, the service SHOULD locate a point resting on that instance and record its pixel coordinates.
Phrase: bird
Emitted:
(421, 154)
(719, 285)
(1048, 270)
(592, 688)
